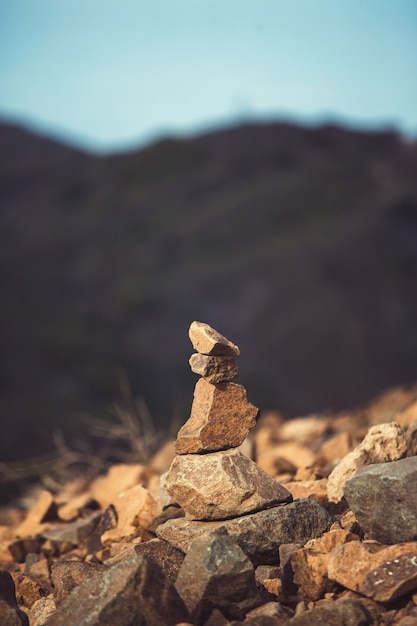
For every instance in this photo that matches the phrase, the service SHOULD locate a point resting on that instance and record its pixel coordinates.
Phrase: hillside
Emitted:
(298, 243)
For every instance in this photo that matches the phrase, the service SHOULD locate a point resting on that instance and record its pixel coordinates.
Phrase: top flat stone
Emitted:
(208, 341)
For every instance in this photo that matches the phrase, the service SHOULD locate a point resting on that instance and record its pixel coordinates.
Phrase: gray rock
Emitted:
(216, 574)
(215, 369)
(258, 534)
(338, 613)
(384, 500)
(132, 592)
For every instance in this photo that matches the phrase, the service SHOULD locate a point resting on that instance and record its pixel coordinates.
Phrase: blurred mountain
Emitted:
(300, 244)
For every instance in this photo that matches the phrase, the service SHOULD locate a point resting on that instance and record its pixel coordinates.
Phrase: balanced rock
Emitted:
(222, 485)
(215, 369)
(221, 417)
(384, 500)
(217, 574)
(258, 534)
(378, 572)
(381, 444)
(206, 340)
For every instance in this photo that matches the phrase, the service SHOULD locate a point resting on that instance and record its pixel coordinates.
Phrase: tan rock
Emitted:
(215, 369)
(206, 340)
(43, 511)
(42, 610)
(222, 485)
(285, 455)
(135, 509)
(376, 571)
(305, 430)
(334, 449)
(382, 443)
(315, 489)
(221, 417)
(118, 479)
(408, 416)
(310, 564)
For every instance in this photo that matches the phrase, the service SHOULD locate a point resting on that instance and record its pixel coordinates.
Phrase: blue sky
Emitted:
(110, 74)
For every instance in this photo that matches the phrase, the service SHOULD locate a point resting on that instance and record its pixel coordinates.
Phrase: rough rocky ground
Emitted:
(115, 550)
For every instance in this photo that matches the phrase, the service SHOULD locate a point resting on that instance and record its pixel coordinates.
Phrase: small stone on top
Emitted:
(208, 341)
(215, 369)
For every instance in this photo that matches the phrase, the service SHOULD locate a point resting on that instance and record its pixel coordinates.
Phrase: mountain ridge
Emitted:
(298, 243)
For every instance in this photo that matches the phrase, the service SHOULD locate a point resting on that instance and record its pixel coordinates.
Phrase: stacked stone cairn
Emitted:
(236, 516)
(210, 478)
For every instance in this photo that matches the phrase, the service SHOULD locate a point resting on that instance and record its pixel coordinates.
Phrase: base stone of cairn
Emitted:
(209, 478)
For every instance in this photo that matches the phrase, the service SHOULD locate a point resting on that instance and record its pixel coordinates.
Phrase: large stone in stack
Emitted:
(209, 478)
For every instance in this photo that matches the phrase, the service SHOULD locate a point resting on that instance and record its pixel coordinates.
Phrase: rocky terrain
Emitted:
(243, 519)
(301, 242)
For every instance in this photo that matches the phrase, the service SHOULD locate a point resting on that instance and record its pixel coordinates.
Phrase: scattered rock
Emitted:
(310, 564)
(383, 443)
(216, 574)
(215, 369)
(134, 591)
(384, 500)
(338, 613)
(66, 575)
(222, 485)
(378, 572)
(221, 417)
(315, 489)
(258, 534)
(41, 611)
(118, 479)
(10, 614)
(168, 558)
(135, 509)
(43, 511)
(208, 341)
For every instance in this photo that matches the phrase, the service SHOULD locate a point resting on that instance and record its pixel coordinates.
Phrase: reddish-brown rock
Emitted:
(310, 563)
(221, 417)
(66, 575)
(215, 369)
(206, 340)
(10, 614)
(221, 485)
(378, 572)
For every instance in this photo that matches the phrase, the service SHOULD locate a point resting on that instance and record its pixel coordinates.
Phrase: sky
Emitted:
(114, 74)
